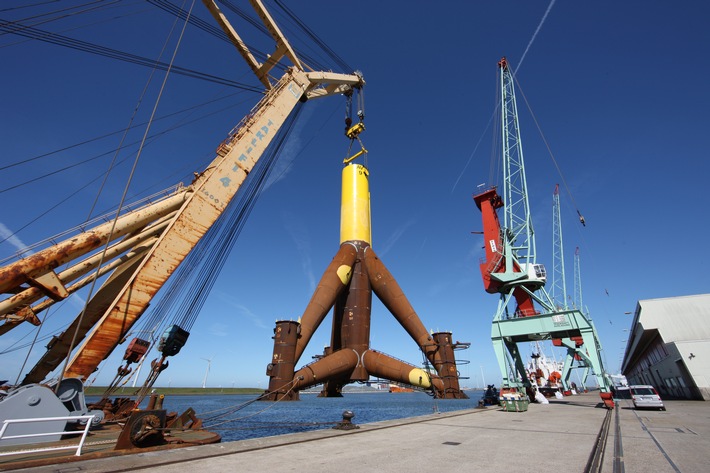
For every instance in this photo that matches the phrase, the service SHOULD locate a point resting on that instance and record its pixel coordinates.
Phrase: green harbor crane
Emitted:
(526, 312)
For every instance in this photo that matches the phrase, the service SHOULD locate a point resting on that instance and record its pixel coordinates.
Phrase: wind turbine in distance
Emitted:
(209, 363)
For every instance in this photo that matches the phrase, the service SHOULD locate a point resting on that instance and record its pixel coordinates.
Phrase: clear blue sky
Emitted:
(618, 89)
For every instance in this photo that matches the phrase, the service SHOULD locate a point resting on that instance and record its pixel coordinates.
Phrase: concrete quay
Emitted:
(560, 436)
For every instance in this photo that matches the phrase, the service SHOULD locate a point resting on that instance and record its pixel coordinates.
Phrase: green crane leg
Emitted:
(501, 350)
(590, 358)
(507, 333)
(513, 376)
(567, 368)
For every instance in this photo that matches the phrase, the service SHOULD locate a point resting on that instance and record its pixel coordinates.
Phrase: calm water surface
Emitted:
(236, 417)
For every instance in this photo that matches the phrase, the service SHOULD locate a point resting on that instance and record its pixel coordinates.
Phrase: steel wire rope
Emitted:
(29, 18)
(564, 182)
(217, 32)
(82, 26)
(126, 130)
(231, 409)
(151, 324)
(12, 347)
(60, 40)
(22, 7)
(152, 139)
(547, 145)
(245, 16)
(241, 406)
(492, 120)
(29, 352)
(183, 296)
(253, 414)
(260, 26)
(81, 228)
(174, 10)
(106, 135)
(227, 229)
(238, 221)
(292, 29)
(181, 15)
(137, 158)
(311, 34)
(305, 146)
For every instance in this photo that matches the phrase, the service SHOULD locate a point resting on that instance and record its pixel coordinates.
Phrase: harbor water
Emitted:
(238, 417)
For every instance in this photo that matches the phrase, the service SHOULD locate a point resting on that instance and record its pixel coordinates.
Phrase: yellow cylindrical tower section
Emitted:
(355, 205)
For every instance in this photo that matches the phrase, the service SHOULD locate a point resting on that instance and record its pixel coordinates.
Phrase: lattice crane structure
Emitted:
(558, 290)
(526, 312)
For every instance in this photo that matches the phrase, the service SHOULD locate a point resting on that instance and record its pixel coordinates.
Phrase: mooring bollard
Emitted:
(346, 423)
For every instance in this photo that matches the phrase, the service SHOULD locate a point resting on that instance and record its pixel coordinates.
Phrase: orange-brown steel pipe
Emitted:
(282, 366)
(384, 366)
(448, 370)
(53, 257)
(330, 367)
(335, 278)
(388, 291)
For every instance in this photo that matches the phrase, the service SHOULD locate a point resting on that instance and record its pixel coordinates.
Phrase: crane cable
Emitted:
(353, 131)
(123, 199)
(60, 40)
(187, 290)
(549, 150)
(311, 34)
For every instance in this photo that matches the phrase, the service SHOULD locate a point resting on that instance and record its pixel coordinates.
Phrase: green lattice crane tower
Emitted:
(558, 290)
(577, 282)
(526, 312)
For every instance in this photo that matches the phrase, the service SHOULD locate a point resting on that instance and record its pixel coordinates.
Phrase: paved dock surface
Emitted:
(560, 436)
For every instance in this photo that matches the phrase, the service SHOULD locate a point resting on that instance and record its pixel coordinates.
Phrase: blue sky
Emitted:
(617, 88)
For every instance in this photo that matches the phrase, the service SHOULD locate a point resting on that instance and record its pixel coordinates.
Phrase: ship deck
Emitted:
(99, 444)
(572, 434)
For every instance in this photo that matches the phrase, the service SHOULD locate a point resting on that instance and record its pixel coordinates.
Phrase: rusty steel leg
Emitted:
(334, 280)
(447, 369)
(388, 291)
(283, 362)
(355, 320)
(333, 388)
(384, 366)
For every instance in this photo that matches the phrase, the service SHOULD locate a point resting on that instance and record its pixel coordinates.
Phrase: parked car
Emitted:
(622, 392)
(646, 397)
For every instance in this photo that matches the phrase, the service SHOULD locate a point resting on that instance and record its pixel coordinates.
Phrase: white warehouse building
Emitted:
(669, 346)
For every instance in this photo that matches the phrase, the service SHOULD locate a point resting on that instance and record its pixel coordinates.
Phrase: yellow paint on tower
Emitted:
(344, 273)
(355, 205)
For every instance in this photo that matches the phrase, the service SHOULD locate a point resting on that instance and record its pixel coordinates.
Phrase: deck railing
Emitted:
(88, 418)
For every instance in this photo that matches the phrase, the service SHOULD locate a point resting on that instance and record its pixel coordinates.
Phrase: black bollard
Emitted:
(346, 423)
